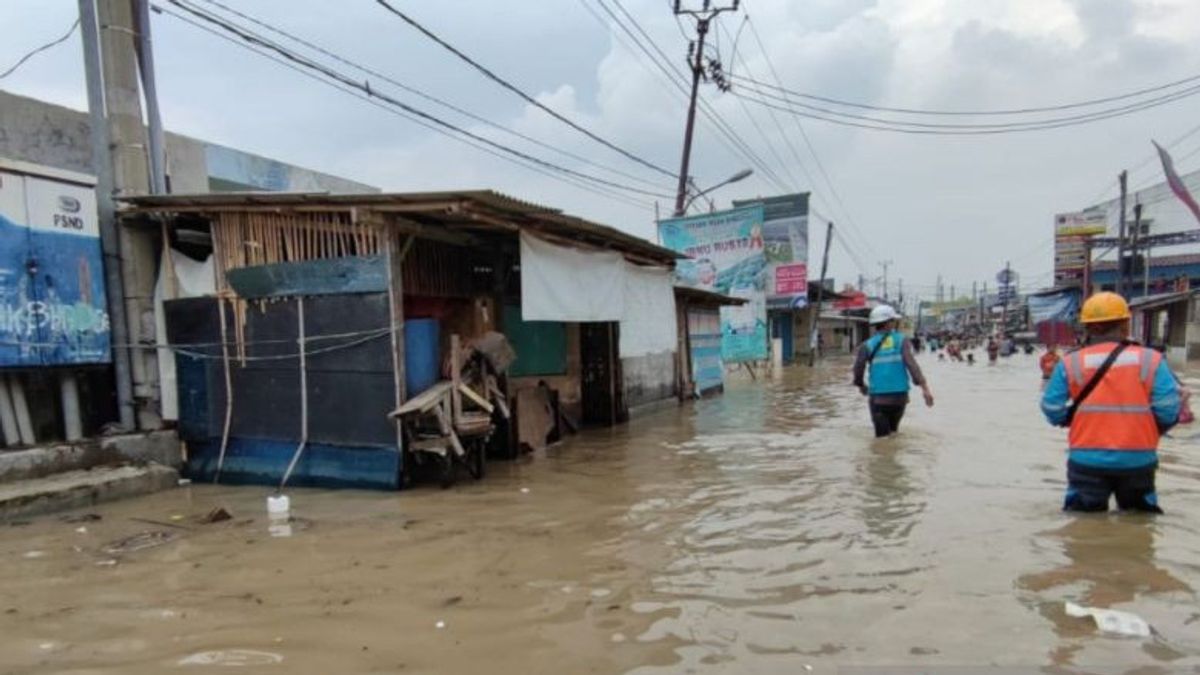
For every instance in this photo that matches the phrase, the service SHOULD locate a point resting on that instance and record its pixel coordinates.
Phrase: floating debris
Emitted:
(76, 518)
(216, 515)
(232, 657)
(1112, 620)
(139, 542)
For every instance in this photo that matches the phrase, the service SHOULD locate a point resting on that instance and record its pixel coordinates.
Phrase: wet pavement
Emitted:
(759, 532)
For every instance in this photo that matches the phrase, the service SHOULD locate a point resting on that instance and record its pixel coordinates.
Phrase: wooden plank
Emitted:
(424, 402)
(456, 377)
(475, 398)
(501, 402)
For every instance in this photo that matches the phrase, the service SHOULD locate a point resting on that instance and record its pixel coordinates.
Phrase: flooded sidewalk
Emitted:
(762, 531)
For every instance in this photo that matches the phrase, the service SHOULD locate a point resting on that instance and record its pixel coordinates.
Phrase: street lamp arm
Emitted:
(741, 175)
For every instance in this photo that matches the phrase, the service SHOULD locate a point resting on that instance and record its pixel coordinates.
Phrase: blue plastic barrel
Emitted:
(422, 356)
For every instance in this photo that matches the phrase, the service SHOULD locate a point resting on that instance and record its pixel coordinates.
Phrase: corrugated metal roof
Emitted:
(1155, 261)
(447, 207)
(1161, 300)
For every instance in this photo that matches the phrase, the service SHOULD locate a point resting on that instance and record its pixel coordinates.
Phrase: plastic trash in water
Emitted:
(1112, 620)
(279, 515)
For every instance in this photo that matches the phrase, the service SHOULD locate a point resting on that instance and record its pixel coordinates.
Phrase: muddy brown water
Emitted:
(759, 532)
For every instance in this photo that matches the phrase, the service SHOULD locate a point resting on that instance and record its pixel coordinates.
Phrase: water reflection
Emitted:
(1110, 562)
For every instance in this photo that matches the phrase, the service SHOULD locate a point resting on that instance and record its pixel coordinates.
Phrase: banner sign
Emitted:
(785, 237)
(726, 255)
(1072, 231)
(856, 300)
(53, 310)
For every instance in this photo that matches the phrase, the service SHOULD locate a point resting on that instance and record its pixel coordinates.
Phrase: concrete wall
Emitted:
(59, 137)
(649, 379)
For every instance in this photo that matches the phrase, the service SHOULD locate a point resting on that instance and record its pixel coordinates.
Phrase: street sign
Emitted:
(1006, 276)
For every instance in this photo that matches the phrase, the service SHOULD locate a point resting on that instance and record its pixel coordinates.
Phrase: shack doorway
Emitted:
(603, 398)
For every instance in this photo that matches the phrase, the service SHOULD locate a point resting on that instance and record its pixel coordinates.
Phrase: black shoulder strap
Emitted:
(878, 345)
(1091, 384)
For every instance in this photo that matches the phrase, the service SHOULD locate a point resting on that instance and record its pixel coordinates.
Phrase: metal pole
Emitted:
(814, 312)
(1136, 243)
(1004, 295)
(1124, 180)
(1087, 267)
(1146, 272)
(145, 53)
(697, 70)
(102, 166)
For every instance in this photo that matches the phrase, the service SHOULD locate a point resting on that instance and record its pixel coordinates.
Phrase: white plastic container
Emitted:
(278, 507)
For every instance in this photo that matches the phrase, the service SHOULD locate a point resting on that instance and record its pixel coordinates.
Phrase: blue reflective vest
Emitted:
(888, 373)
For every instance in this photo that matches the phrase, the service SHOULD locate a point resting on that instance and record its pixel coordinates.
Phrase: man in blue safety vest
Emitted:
(889, 357)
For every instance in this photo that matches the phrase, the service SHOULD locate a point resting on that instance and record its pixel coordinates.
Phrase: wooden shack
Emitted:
(306, 337)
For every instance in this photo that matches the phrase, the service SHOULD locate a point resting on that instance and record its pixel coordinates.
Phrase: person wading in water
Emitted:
(889, 357)
(1117, 397)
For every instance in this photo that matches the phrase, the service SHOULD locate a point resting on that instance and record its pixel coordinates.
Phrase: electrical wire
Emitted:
(902, 126)
(983, 113)
(678, 79)
(519, 92)
(426, 96)
(447, 128)
(983, 130)
(29, 55)
(853, 227)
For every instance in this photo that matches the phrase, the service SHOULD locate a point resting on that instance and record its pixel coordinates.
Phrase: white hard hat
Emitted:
(883, 314)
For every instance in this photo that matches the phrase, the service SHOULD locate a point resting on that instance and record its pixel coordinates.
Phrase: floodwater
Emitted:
(764, 531)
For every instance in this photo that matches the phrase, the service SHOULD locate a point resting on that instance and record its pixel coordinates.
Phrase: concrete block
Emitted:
(79, 489)
(161, 447)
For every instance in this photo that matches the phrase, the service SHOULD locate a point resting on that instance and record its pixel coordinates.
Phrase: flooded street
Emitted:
(756, 532)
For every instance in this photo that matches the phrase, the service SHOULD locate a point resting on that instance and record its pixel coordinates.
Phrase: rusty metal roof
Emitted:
(453, 208)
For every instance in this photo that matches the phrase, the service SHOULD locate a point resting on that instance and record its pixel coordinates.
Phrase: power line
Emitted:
(676, 78)
(426, 96)
(21, 61)
(519, 92)
(364, 91)
(984, 113)
(853, 224)
(903, 126)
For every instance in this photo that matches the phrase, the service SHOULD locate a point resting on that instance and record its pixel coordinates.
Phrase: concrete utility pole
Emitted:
(696, 63)
(1124, 180)
(885, 264)
(900, 291)
(814, 312)
(131, 175)
(1134, 246)
(102, 166)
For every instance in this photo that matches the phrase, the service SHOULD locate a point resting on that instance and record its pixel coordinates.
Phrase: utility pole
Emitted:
(1004, 291)
(862, 286)
(1087, 266)
(1124, 180)
(900, 292)
(121, 119)
(1135, 245)
(974, 291)
(940, 297)
(102, 166)
(814, 312)
(885, 264)
(953, 294)
(696, 62)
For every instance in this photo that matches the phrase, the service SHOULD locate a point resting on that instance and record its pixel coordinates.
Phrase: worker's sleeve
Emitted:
(1056, 396)
(860, 366)
(910, 362)
(1164, 398)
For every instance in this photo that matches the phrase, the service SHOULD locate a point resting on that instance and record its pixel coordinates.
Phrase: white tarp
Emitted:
(192, 279)
(560, 283)
(648, 323)
(567, 284)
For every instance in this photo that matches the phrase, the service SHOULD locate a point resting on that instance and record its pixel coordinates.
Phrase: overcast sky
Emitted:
(954, 205)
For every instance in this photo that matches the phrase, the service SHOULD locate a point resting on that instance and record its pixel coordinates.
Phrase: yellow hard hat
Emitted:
(1103, 307)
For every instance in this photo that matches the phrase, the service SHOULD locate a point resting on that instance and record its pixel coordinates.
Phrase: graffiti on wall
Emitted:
(53, 309)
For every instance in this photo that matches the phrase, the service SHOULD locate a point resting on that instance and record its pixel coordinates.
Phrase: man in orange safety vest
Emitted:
(1117, 397)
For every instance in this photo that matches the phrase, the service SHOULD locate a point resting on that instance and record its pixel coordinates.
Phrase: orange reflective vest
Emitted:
(1117, 414)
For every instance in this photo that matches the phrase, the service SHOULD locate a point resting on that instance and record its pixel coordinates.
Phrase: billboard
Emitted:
(1072, 231)
(785, 239)
(53, 309)
(726, 255)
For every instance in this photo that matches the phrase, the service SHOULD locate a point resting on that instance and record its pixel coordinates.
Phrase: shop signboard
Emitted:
(725, 254)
